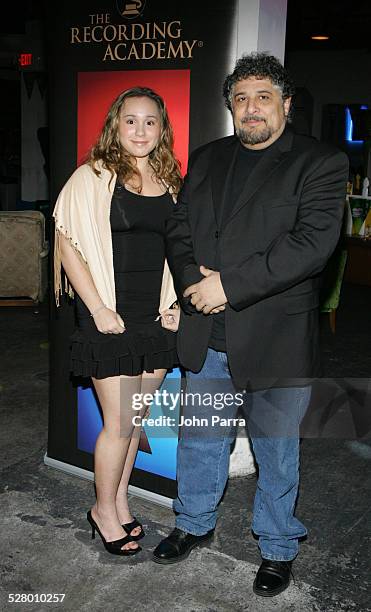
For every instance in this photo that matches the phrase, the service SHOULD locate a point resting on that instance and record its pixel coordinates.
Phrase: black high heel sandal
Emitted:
(129, 527)
(114, 547)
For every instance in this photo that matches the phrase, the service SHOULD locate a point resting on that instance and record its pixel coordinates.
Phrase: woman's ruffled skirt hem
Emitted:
(128, 354)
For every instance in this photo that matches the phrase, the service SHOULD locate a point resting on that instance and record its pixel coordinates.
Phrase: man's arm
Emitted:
(179, 246)
(301, 253)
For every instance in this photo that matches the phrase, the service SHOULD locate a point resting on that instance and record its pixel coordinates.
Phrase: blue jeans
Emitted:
(204, 450)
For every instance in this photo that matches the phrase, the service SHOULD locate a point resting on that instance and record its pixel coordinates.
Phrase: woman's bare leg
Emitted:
(111, 452)
(150, 382)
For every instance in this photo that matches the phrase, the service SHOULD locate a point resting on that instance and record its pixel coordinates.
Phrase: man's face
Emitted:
(259, 113)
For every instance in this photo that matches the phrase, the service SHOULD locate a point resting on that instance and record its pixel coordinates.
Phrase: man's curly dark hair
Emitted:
(259, 65)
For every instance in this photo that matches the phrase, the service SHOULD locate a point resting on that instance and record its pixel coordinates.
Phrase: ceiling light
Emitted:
(320, 37)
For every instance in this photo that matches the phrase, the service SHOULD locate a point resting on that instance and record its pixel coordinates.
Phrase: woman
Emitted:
(110, 222)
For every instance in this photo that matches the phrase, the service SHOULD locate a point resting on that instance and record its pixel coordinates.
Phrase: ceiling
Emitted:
(347, 22)
(15, 14)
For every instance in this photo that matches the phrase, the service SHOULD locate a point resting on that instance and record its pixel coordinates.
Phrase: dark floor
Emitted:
(45, 541)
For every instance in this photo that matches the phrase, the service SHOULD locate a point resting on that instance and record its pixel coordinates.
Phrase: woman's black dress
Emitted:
(138, 228)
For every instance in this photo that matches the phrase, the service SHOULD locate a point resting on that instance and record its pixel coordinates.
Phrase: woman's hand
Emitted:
(170, 319)
(108, 321)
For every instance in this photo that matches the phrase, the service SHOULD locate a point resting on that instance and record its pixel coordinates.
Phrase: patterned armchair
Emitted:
(23, 255)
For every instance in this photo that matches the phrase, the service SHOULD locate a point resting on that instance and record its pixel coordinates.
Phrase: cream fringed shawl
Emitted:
(82, 214)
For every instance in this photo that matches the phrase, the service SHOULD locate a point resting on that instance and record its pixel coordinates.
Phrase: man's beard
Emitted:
(254, 136)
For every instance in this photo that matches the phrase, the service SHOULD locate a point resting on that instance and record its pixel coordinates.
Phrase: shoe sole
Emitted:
(183, 556)
(271, 593)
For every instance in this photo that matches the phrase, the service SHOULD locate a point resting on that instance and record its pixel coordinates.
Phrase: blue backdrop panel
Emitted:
(162, 436)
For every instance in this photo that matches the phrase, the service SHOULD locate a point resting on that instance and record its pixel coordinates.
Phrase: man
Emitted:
(256, 221)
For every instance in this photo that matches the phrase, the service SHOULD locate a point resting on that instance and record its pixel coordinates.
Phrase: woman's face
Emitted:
(139, 126)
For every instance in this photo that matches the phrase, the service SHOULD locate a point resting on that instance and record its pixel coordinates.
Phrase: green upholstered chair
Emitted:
(331, 285)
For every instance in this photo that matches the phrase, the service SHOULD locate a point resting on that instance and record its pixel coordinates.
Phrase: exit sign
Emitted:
(25, 59)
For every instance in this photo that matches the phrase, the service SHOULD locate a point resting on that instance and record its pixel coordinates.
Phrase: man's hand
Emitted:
(207, 295)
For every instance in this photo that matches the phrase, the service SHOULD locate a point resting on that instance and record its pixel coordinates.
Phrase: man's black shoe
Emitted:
(178, 545)
(272, 578)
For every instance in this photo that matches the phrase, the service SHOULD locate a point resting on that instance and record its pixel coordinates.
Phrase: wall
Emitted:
(332, 77)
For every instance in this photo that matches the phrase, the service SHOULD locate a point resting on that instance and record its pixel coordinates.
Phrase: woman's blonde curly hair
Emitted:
(116, 159)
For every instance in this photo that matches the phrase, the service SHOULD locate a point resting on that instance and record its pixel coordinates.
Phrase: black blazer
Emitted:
(272, 250)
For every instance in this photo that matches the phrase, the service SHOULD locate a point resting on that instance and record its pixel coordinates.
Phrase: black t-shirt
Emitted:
(245, 162)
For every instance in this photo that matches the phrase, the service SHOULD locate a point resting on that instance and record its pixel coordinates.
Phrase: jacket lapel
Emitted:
(266, 166)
